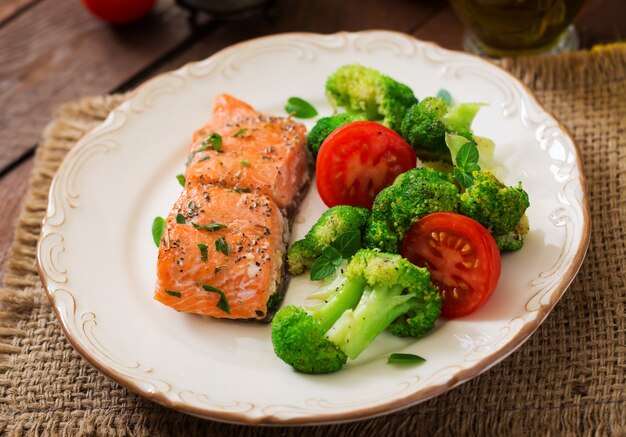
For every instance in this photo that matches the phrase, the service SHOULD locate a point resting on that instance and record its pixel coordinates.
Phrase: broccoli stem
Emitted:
(346, 298)
(378, 308)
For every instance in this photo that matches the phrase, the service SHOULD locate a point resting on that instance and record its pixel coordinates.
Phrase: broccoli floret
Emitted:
(326, 125)
(494, 205)
(333, 222)
(367, 91)
(413, 195)
(425, 126)
(513, 240)
(376, 291)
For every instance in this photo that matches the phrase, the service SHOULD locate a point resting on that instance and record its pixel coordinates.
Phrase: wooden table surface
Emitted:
(53, 51)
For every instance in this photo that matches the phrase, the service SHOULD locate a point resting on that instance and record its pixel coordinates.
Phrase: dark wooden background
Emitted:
(52, 51)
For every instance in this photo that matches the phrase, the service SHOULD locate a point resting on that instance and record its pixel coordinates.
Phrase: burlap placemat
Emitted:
(568, 378)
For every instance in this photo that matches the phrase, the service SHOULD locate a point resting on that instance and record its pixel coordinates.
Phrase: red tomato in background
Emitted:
(358, 160)
(119, 11)
(462, 256)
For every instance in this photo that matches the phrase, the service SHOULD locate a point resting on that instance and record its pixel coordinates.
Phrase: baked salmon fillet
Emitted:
(244, 149)
(221, 253)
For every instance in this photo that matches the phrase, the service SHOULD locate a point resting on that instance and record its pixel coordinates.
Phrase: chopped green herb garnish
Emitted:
(180, 219)
(300, 108)
(246, 163)
(210, 227)
(445, 96)
(181, 179)
(158, 226)
(192, 206)
(219, 269)
(405, 358)
(326, 264)
(215, 140)
(204, 158)
(202, 148)
(173, 293)
(240, 132)
(222, 246)
(242, 190)
(222, 303)
(203, 251)
(266, 231)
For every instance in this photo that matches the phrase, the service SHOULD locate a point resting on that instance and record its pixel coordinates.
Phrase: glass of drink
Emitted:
(499, 28)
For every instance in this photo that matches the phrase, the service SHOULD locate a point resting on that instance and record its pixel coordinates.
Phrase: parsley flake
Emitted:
(222, 246)
(215, 140)
(174, 293)
(223, 302)
(240, 132)
(158, 226)
(181, 179)
(246, 163)
(203, 252)
(180, 219)
(210, 227)
(405, 359)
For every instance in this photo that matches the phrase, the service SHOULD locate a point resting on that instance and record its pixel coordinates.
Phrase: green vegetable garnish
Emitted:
(240, 132)
(445, 96)
(180, 219)
(210, 227)
(215, 140)
(222, 303)
(300, 108)
(242, 190)
(181, 179)
(246, 163)
(173, 293)
(158, 226)
(222, 246)
(203, 251)
(405, 359)
(326, 264)
(348, 243)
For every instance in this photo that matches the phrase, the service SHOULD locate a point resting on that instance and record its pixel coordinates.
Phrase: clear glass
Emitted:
(499, 28)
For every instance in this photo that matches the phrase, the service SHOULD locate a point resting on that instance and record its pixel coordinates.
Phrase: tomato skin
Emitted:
(119, 11)
(359, 159)
(462, 256)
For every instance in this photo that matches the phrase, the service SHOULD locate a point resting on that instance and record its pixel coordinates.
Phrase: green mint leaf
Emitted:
(214, 140)
(180, 219)
(203, 252)
(445, 96)
(223, 302)
(222, 246)
(240, 132)
(405, 359)
(158, 226)
(325, 264)
(246, 163)
(210, 227)
(181, 179)
(467, 157)
(465, 179)
(300, 108)
(348, 243)
(173, 293)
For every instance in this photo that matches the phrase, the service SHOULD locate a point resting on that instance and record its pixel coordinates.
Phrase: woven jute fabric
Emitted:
(569, 378)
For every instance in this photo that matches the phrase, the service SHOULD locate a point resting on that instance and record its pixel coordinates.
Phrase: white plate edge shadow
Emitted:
(64, 195)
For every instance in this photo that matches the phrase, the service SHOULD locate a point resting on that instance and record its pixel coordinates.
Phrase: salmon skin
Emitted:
(223, 248)
(244, 149)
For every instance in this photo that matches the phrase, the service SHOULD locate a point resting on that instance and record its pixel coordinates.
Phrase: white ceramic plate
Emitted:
(98, 262)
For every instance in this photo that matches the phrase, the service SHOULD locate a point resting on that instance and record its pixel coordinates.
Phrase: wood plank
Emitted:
(56, 52)
(12, 190)
(444, 28)
(322, 16)
(8, 8)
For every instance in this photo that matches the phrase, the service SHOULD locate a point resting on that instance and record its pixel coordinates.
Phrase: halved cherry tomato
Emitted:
(463, 259)
(358, 160)
(119, 11)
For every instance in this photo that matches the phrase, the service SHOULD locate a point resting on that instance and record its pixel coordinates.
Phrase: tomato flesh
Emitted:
(119, 11)
(463, 259)
(358, 160)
